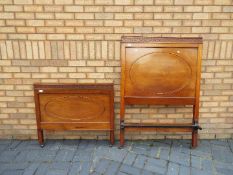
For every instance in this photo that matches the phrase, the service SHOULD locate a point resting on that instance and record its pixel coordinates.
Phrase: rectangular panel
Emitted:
(76, 126)
(74, 107)
(160, 101)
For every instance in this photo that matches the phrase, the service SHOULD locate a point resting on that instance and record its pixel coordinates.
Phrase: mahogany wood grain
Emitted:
(80, 107)
(160, 71)
(76, 126)
(160, 101)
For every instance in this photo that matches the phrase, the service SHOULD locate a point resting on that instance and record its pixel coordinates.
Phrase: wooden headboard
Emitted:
(160, 71)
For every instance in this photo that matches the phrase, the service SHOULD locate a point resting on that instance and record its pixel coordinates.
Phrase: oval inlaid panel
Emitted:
(74, 108)
(160, 73)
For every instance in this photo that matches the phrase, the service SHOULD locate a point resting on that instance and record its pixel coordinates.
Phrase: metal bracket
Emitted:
(196, 126)
(122, 124)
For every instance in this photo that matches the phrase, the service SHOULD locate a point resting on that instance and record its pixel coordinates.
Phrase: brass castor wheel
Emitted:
(42, 145)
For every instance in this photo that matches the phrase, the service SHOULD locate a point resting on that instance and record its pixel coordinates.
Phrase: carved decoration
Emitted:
(76, 86)
(141, 39)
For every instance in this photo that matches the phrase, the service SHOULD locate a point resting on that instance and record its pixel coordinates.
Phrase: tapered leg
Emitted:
(112, 140)
(194, 138)
(195, 131)
(40, 137)
(122, 130)
(122, 137)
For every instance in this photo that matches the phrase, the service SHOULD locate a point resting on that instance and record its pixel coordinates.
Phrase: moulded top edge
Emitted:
(140, 39)
(74, 85)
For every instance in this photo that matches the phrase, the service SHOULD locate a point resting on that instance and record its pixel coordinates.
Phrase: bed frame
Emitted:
(160, 71)
(77, 107)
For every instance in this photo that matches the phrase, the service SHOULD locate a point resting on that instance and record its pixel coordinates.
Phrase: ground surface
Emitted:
(73, 157)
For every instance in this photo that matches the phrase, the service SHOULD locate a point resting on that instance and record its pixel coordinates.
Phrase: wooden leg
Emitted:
(122, 137)
(194, 138)
(112, 140)
(122, 130)
(40, 137)
(195, 131)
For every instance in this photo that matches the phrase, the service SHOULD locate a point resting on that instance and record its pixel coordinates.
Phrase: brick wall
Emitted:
(79, 41)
